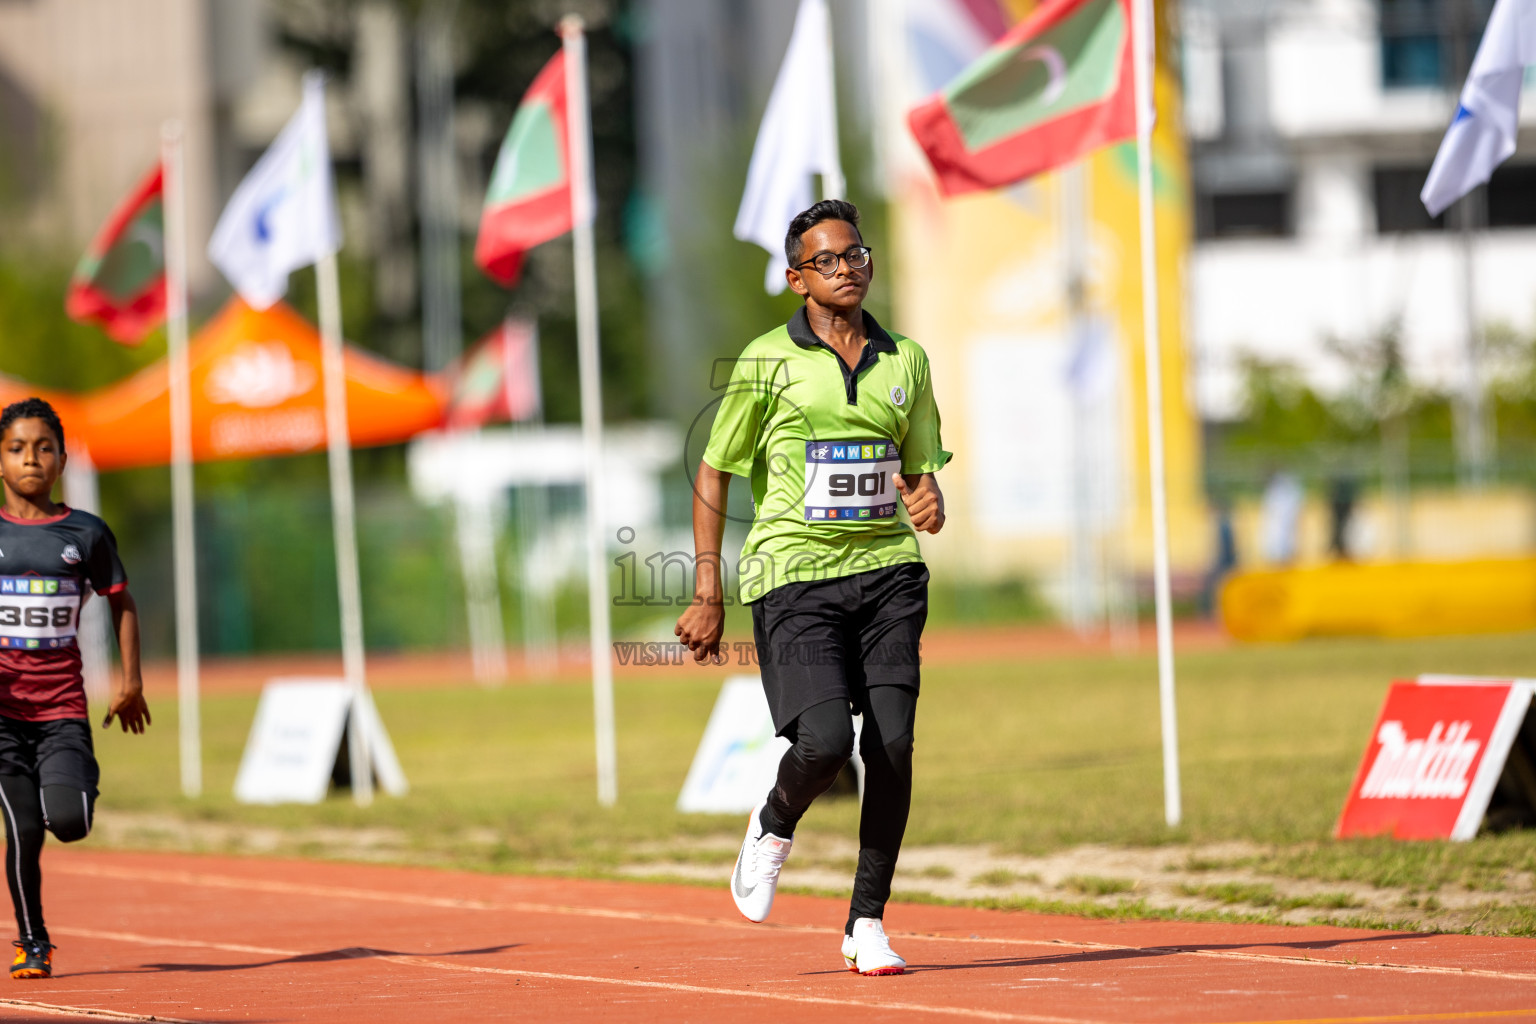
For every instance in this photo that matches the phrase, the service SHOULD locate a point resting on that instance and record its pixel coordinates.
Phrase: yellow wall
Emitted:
(1432, 526)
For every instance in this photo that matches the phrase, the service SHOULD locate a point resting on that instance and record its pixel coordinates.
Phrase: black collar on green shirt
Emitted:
(879, 341)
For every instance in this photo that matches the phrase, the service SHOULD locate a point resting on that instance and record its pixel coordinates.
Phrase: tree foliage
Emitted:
(1286, 420)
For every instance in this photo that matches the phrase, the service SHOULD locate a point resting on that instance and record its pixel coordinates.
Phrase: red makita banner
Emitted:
(1435, 758)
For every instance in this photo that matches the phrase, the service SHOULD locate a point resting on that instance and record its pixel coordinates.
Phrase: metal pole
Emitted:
(93, 638)
(182, 518)
(1072, 210)
(1471, 412)
(833, 184)
(1145, 115)
(541, 657)
(1473, 437)
(540, 654)
(344, 522)
(475, 524)
(580, 128)
(441, 316)
(442, 328)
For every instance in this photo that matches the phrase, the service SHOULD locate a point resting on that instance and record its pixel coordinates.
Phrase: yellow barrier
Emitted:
(1381, 599)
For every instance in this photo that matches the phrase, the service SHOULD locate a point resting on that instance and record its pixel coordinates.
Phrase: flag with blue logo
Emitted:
(283, 215)
(1482, 134)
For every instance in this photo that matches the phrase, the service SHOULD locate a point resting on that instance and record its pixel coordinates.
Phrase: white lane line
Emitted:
(588, 979)
(414, 899)
(228, 947)
(1404, 1018)
(1296, 959)
(57, 1010)
(740, 993)
(950, 1011)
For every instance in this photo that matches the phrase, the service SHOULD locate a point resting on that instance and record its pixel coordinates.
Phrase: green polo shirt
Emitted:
(821, 444)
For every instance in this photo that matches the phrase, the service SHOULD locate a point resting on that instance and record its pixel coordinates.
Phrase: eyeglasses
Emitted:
(825, 263)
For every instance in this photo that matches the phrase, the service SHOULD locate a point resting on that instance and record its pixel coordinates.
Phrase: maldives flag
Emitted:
(529, 199)
(1058, 85)
(120, 281)
(498, 379)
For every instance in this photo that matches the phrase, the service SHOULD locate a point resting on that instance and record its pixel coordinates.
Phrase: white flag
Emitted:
(1482, 135)
(798, 138)
(283, 215)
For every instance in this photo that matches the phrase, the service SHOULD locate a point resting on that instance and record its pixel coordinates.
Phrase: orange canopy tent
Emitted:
(67, 406)
(256, 391)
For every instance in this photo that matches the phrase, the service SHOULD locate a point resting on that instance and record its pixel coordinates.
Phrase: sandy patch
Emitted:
(1188, 877)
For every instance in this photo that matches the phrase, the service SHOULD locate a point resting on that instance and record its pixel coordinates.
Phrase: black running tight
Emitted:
(63, 810)
(823, 742)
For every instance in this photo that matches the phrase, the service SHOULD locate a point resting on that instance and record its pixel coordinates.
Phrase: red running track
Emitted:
(203, 938)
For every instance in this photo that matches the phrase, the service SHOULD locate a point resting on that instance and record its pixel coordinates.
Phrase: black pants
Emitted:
(829, 639)
(48, 779)
(29, 809)
(828, 650)
(823, 742)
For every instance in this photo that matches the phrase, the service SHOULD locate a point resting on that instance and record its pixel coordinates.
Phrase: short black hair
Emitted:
(827, 209)
(32, 409)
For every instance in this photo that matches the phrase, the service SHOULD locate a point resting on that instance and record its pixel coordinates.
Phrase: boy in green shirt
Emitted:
(832, 419)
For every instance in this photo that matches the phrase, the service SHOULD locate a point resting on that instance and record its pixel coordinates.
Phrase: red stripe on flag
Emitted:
(508, 231)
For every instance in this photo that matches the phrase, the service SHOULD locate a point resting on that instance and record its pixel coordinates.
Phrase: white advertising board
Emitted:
(738, 758)
(296, 737)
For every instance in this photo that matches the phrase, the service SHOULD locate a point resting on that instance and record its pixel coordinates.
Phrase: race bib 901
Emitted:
(851, 480)
(38, 613)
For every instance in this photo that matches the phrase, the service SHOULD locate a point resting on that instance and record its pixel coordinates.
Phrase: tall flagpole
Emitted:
(183, 520)
(344, 522)
(82, 490)
(540, 656)
(580, 127)
(833, 184)
(1146, 112)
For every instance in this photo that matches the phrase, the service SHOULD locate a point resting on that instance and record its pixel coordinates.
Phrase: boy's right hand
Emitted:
(700, 627)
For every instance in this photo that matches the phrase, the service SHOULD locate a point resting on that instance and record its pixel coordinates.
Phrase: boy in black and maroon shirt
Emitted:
(52, 558)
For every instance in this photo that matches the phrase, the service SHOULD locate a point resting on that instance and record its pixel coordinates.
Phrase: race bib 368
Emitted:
(38, 613)
(852, 480)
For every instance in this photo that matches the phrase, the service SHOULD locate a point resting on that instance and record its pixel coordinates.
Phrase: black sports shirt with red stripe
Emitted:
(48, 569)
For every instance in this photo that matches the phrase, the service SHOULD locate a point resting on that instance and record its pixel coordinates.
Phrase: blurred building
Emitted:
(85, 86)
(1313, 124)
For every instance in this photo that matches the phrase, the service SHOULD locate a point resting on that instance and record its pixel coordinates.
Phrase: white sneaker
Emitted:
(756, 875)
(868, 952)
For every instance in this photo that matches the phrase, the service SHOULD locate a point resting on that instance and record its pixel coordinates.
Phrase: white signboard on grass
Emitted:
(298, 734)
(738, 758)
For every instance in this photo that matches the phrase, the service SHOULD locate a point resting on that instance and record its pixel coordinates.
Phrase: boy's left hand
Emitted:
(924, 501)
(129, 708)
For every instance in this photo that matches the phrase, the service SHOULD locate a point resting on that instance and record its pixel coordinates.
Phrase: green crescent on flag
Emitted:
(120, 281)
(1058, 85)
